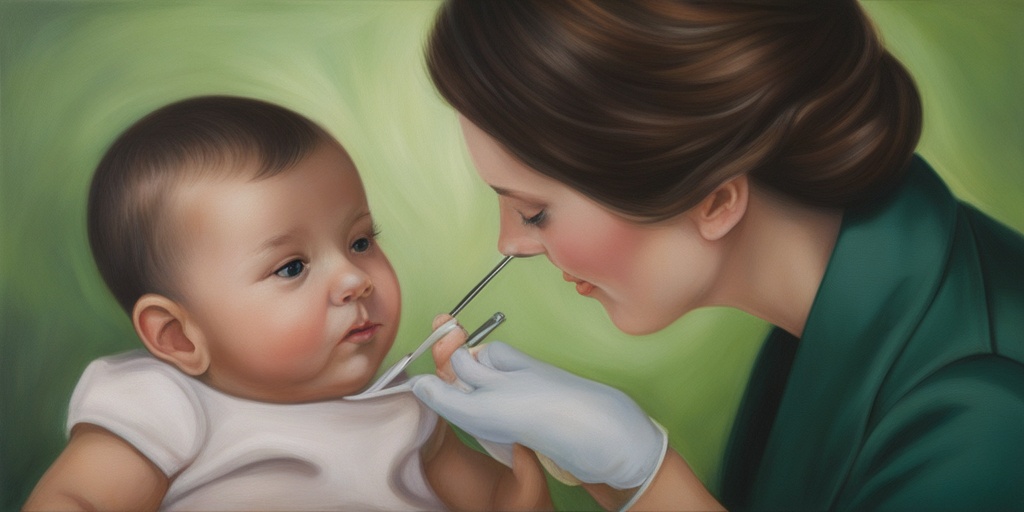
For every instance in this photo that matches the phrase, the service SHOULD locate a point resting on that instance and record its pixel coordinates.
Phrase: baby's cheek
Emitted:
(295, 347)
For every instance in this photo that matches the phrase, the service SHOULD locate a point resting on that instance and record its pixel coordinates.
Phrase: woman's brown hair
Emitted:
(647, 106)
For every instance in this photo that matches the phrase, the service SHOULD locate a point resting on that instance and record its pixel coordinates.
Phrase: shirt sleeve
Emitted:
(955, 442)
(148, 403)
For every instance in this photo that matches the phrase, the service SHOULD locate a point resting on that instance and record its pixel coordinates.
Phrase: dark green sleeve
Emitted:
(955, 442)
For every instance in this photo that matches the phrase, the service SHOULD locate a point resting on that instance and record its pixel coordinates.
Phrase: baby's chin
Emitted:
(353, 376)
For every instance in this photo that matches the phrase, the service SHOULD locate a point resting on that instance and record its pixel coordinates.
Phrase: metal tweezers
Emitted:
(478, 335)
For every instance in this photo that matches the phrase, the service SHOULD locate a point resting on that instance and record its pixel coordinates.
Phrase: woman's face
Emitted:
(645, 275)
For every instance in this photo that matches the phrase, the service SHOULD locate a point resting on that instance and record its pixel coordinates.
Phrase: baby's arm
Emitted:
(466, 479)
(99, 471)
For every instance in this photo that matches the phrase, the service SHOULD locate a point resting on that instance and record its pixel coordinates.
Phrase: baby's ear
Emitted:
(161, 323)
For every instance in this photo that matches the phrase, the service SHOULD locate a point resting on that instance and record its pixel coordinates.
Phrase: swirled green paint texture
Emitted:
(73, 74)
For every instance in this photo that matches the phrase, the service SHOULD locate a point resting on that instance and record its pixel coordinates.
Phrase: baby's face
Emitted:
(285, 282)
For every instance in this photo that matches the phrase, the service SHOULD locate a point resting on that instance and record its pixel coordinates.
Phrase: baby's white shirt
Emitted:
(228, 453)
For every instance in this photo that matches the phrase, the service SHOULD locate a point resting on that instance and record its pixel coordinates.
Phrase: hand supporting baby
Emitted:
(521, 493)
(442, 352)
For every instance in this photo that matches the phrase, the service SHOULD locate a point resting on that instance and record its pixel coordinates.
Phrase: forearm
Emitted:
(466, 479)
(459, 483)
(43, 498)
(99, 471)
(675, 487)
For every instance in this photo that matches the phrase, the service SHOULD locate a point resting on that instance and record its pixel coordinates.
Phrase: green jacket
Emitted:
(906, 391)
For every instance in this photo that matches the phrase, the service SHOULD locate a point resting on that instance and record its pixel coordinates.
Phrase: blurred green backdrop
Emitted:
(75, 73)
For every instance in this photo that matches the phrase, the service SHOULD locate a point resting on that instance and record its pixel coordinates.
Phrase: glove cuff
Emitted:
(498, 451)
(657, 467)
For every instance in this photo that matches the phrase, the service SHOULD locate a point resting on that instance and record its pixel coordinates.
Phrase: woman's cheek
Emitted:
(599, 253)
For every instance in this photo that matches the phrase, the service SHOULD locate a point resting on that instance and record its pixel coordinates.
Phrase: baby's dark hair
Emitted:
(194, 138)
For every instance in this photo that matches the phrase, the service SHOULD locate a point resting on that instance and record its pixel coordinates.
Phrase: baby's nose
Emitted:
(352, 285)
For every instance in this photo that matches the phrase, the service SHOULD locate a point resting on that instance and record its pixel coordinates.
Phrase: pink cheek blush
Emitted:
(289, 340)
(602, 250)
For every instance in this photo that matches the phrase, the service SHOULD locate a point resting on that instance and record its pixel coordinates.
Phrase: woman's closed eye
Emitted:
(536, 220)
(291, 269)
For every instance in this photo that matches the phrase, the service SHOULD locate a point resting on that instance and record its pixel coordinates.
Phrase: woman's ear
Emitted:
(718, 213)
(161, 323)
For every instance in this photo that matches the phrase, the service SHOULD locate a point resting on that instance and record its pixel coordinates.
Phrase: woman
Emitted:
(670, 155)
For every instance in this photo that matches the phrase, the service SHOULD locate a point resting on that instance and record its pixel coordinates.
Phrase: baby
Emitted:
(238, 237)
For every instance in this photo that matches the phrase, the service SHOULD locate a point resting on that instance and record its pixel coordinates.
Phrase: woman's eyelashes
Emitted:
(536, 220)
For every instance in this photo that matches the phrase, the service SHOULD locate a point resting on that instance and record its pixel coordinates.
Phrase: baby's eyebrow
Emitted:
(274, 242)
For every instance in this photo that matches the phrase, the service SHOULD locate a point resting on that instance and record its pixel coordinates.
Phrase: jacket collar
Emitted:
(887, 264)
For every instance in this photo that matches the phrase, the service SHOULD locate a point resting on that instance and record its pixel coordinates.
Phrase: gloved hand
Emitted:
(594, 431)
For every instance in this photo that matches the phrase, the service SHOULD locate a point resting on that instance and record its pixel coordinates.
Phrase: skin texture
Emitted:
(288, 299)
(741, 246)
(286, 295)
(445, 347)
(615, 261)
(128, 481)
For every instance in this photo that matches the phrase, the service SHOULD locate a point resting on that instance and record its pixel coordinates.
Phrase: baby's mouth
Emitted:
(582, 287)
(362, 332)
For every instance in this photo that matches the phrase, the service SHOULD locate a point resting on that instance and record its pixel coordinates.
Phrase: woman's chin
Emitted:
(634, 325)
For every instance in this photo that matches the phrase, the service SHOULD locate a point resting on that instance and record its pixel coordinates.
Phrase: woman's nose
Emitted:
(350, 284)
(514, 238)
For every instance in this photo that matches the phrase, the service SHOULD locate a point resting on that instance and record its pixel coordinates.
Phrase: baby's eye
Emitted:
(291, 269)
(362, 245)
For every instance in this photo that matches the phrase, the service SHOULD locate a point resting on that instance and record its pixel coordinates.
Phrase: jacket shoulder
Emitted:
(1001, 260)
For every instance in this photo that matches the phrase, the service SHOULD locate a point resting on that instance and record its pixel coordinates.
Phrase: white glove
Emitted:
(592, 430)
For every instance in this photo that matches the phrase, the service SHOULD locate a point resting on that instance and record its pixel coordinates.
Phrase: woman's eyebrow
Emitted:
(504, 192)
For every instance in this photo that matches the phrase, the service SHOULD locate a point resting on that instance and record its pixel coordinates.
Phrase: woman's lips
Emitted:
(582, 287)
(361, 333)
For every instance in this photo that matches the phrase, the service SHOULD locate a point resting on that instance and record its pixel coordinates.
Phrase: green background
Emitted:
(74, 74)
